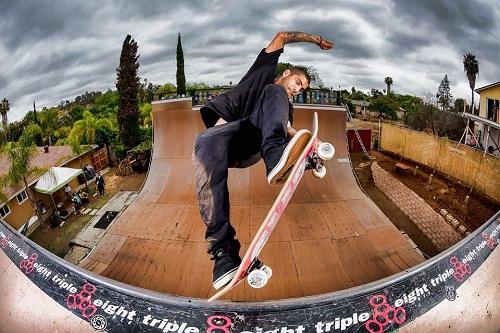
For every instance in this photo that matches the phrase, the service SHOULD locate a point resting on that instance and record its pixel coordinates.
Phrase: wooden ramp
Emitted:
(331, 236)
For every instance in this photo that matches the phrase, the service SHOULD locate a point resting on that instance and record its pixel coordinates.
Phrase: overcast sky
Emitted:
(56, 50)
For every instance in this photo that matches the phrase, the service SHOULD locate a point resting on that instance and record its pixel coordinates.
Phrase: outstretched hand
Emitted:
(325, 44)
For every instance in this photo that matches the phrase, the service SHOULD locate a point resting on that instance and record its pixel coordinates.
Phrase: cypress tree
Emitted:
(181, 79)
(128, 86)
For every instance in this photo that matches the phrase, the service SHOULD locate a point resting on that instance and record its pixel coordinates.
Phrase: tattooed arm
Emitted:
(283, 38)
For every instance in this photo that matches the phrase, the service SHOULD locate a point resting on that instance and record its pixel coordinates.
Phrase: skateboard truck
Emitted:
(258, 274)
(316, 161)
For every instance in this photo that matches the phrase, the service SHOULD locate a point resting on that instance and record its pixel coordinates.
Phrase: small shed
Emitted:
(353, 142)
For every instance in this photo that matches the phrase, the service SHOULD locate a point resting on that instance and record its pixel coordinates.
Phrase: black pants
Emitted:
(100, 189)
(236, 144)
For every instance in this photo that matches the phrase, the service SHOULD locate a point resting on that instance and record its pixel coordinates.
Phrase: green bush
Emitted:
(120, 151)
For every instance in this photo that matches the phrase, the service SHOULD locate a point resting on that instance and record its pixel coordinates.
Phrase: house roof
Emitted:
(360, 103)
(57, 156)
(482, 120)
(487, 87)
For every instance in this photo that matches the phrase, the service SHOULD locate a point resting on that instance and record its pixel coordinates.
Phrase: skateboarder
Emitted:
(248, 122)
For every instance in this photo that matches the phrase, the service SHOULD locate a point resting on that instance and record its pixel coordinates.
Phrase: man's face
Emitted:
(293, 83)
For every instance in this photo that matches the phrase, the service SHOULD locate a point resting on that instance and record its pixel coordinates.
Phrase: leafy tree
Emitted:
(451, 125)
(424, 118)
(16, 128)
(459, 105)
(76, 112)
(166, 88)
(408, 102)
(20, 170)
(444, 95)
(29, 117)
(87, 98)
(145, 114)
(61, 134)
(147, 91)
(84, 130)
(358, 95)
(91, 130)
(375, 93)
(63, 105)
(181, 78)
(150, 92)
(385, 106)
(106, 135)
(388, 82)
(316, 81)
(429, 119)
(127, 85)
(471, 69)
(106, 105)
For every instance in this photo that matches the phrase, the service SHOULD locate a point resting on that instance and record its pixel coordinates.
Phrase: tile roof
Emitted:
(57, 156)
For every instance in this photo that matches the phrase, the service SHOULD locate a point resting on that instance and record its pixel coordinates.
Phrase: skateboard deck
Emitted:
(274, 214)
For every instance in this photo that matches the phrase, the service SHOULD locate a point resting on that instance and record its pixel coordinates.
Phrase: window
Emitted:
(492, 109)
(4, 211)
(21, 197)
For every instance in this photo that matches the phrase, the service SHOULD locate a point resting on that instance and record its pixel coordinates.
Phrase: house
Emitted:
(361, 107)
(17, 210)
(487, 123)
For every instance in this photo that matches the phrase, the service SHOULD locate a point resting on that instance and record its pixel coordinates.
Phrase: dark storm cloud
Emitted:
(26, 22)
(349, 39)
(56, 50)
(468, 25)
(455, 18)
(407, 42)
(157, 56)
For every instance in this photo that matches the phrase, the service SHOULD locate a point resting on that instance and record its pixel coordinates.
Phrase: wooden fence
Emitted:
(100, 159)
(464, 163)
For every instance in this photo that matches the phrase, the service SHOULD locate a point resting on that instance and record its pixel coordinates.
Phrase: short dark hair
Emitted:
(301, 70)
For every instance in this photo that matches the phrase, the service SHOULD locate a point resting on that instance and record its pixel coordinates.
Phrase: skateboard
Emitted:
(312, 157)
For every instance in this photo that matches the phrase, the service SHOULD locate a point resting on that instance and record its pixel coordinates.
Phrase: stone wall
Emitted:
(432, 224)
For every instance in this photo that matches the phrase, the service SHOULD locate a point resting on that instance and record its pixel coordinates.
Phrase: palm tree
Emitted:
(20, 155)
(4, 108)
(471, 69)
(48, 119)
(84, 132)
(388, 81)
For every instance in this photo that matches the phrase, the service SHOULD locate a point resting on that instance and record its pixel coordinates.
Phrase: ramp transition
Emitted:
(151, 272)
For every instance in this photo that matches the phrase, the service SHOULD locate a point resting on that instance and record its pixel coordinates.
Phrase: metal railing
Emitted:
(310, 96)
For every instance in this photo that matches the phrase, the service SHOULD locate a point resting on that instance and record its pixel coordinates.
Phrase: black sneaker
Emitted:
(227, 261)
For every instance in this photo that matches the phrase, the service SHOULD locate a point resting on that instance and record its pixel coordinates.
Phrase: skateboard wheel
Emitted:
(326, 151)
(257, 278)
(268, 271)
(320, 173)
